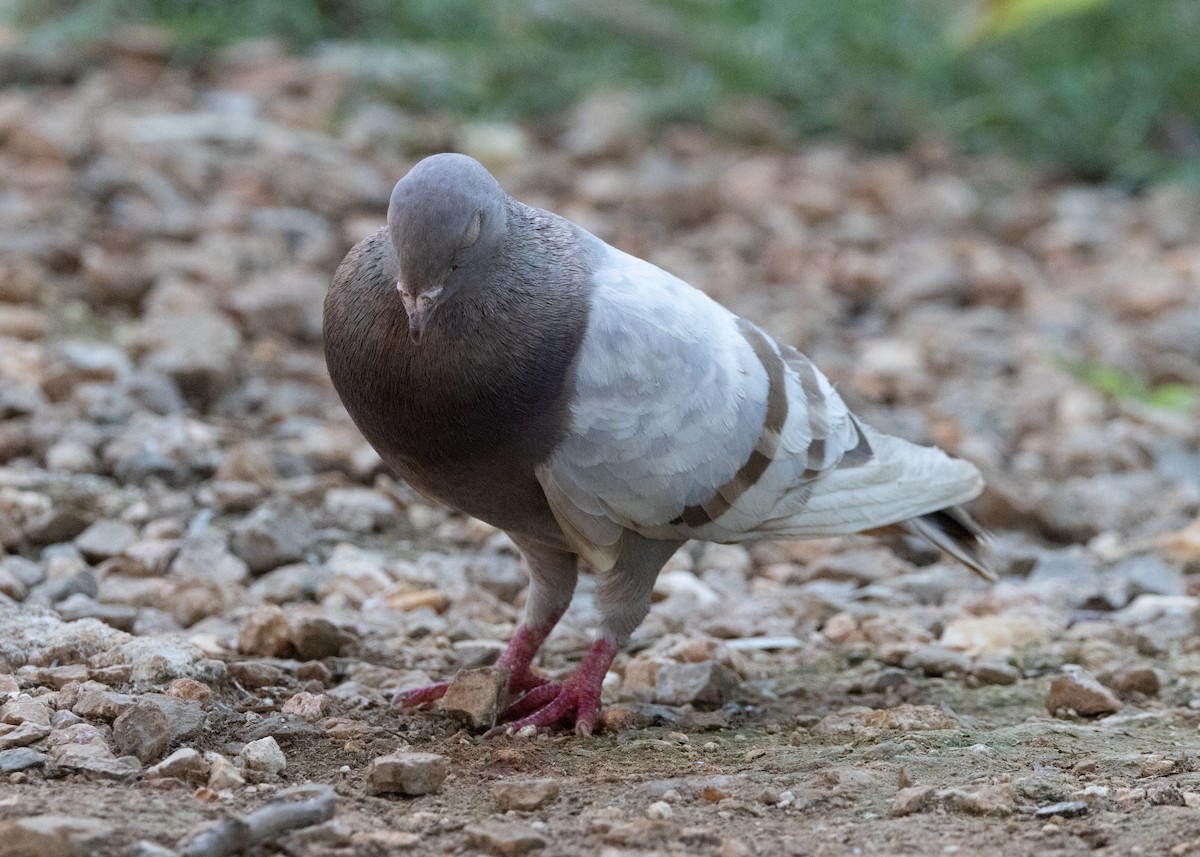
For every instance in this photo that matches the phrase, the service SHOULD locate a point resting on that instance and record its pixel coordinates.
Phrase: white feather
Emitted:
(670, 401)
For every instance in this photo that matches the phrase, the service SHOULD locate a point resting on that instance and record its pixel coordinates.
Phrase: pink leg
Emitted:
(516, 658)
(579, 695)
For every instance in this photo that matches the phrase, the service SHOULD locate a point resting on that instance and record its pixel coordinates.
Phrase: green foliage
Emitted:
(1098, 89)
(1120, 385)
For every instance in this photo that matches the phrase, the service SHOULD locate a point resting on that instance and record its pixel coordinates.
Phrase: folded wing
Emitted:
(690, 422)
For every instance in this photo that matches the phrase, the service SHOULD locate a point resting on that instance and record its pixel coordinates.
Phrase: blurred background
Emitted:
(1100, 90)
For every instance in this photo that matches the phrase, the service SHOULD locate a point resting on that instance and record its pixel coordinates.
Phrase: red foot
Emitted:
(413, 697)
(517, 657)
(579, 696)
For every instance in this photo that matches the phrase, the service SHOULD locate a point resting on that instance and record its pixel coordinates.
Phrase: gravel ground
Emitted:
(209, 588)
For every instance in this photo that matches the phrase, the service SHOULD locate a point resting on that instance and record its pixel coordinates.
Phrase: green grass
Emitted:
(1109, 92)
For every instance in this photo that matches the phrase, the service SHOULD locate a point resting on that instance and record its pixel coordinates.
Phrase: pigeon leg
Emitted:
(623, 598)
(552, 576)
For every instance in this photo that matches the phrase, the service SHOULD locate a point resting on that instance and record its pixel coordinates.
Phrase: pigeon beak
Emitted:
(418, 308)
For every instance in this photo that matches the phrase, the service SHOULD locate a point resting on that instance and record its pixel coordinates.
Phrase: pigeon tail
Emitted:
(952, 530)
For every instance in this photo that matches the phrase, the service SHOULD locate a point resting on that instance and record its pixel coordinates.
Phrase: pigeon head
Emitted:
(445, 219)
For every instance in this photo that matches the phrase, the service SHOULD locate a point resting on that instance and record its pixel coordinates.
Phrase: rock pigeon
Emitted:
(509, 364)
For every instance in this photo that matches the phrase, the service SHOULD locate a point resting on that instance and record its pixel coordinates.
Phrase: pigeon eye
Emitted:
(472, 234)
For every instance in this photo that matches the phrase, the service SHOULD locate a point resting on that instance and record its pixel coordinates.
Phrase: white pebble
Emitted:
(660, 810)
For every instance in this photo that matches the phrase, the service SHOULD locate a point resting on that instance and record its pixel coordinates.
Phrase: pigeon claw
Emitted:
(577, 698)
(418, 696)
(551, 704)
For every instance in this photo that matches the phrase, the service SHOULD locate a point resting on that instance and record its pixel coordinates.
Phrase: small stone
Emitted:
(20, 759)
(1128, 679)
(142, 731)
(407, 773)
(81, 747)
(263, 756)
(222, 774)
(999, 800)
(734, 848)
(524, 795)
(1156, 767)
(184, 764)
(660, 810)
(1067, 809)
(476, 696)
(257, 674)
(994, 671)
(25, 709)
(706, 683)
(190, 690)
(265, 632)
(315, 638)
(911, 800)
(1077, 691)
(25, 734)
(306, 706)
(935, 660)
(384, 841)
(504, 839)
(997, 634)
(53, 836)
(59, 676)
(275, 533)
(101, 704)
(359, 510)
(105, 538)
(80, 606)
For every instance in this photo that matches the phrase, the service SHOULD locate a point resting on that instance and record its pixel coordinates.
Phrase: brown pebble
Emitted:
(1076, 691)
(524, 795)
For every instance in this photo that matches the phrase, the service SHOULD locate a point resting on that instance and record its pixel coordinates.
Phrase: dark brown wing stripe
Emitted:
(768, 442)
(861, 453)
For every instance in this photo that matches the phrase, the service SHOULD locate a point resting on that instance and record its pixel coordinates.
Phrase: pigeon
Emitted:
(509, 364)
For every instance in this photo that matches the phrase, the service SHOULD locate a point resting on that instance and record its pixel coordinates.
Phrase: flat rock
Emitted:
(1066, 809)
(81, 747)
(105, 538)
(20, 759)
(25, 734)
(998, 800)
(705, 683)
(1076, 691)
(937, 660)
(524, 795)
(101, 704)
(504, 839)
(407, 773)
(52, 836)
(862, 721)
(1130, 679)
(476, 696)
(992, 670)
(25, 709)
(184, 764)
(911, 800)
